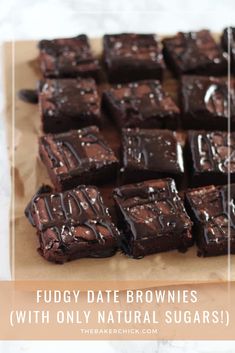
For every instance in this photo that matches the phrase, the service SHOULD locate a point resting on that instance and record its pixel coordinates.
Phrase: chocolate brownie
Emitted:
(130, 57)
(214, 219)
(72, 224)
(142, 104)
(228, 43)
(77, 157)
(152, 217)
(69, 104)
(149, 154)
(211, 157)
(205, 103)
(194, 53)
(67, 57)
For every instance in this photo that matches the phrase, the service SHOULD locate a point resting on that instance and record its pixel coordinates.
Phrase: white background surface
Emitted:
(29, 19)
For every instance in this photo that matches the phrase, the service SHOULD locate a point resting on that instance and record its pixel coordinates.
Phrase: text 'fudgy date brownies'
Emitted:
(67, 57)
(69, 104)
(214, 219)
(228, 43)
(151, 154)
(211, 157)
(72, 224)
(77, 157)
(130, 57)
(142, 104)
(194, 53)
(205, 103)
(152, 217)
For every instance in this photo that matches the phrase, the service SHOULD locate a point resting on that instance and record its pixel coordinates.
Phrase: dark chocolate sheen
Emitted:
(68, 104)
(213, 151)
(152, 213)
(205, 102)
(141, 104)
(77, 156)
(129, 57)
(194, 53)
(72, 224)
(212, 209)
(67, 57)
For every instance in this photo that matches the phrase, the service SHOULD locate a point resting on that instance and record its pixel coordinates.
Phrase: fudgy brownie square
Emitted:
(68, 57)
(214, 219)
(77, 157)
(72, 224)
(205, 103)
(152, 218)
(194, 53)
(142, 104)
(130, 57)
(211, 157)
(228, 43)
(69, 104)
(151, 153)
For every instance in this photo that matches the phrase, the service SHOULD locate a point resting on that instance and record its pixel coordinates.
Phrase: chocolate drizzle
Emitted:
(207, 97)
(213, 151)
(211, 209)
(194, 52)
(77, 150)
(152, 208)
(73, 211)
(153, 150)
(215, 99)
(67, 57)
(69, 98)
(141, 101)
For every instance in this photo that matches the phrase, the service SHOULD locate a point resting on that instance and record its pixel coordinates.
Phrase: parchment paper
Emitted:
(24, 127)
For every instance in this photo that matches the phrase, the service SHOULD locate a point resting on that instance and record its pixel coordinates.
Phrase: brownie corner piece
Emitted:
(67, 104)
(143, 104)
(73, 224)
(152, 217)
(130, 57)
(205, 102)
(78, 157)
(141, 149)
(68, 58)
(211, 156)
(212, 211)
(194, 53)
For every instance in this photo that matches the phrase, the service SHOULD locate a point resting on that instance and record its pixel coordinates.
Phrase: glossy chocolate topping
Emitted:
(154, 150)
(77, 206)
(62, 46)
(66, 56)
(193, 50)
(208, 94)
(77, 214)
(213, 151)
(210, 206)
(72, 235)
(152, 208)
(142, 100)
(69, 98)
(72, 224)
(76, 151)
(141, 47)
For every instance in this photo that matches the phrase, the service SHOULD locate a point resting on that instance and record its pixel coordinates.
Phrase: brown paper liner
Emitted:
(29, 174)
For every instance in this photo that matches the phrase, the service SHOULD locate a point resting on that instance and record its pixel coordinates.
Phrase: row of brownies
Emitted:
(71, 219)
(152, 218)
(129, 57)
